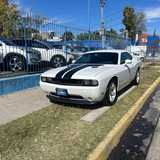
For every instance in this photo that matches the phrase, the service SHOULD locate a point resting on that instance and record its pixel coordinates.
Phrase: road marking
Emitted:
(95, 113)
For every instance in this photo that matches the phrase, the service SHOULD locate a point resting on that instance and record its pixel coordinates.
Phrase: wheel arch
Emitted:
(56, 56)
(13, 54)
(114, 78)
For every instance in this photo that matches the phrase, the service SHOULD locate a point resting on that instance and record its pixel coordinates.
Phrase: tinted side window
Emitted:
(57, 46)
(19, 42)
(38, 45)
(125, 56)
(29, 43)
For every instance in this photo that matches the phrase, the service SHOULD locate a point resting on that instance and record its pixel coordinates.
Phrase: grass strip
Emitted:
(56, 133)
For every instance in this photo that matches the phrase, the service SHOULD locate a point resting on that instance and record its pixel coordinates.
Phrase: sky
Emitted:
(76, 12)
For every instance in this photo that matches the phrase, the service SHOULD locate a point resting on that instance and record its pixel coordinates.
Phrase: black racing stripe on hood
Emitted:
(60, 74)
(73, 71)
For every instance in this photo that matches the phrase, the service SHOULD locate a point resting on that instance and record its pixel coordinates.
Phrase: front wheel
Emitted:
(111, 94)
(137, 78)
(15, 63)
(58, 61)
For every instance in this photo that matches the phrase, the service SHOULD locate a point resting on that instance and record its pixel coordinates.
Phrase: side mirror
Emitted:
(128, 61)
(73, 61)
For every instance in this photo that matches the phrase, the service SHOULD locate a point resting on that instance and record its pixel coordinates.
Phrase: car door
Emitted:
(125, 70)
(40, 47)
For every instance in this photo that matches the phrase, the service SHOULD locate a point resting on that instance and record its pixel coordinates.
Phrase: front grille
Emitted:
(73, 82)
(68, 96)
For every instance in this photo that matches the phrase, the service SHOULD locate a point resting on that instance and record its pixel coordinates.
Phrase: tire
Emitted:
(15, 63)
(58, 61)
(111, 93)
(142, 59)
(136, 81)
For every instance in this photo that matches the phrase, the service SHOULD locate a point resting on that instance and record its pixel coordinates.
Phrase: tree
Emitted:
(154, 33)
(69, 36)
(93, 36)
(153, 46)
(82, 36)
(9, 19)
(129, 21)
(12, 22)
(140, 23)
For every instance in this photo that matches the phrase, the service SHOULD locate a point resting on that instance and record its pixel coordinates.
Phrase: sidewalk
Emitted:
(19, 104)
(154, 149)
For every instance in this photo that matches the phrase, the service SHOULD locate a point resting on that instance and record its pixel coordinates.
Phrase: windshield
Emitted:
(99, 58)
(7, 42)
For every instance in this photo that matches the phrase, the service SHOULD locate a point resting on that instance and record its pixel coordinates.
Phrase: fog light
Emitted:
(90, 99)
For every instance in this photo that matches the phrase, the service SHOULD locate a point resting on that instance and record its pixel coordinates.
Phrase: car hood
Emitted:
(84, 71)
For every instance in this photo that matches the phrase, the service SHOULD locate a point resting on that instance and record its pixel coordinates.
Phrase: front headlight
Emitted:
(90, 82)
(44, 79)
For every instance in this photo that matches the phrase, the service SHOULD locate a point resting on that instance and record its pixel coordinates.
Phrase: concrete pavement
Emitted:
(19, 104)
(154, 149)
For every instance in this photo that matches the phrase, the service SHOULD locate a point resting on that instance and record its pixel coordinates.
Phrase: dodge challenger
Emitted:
(94, 77)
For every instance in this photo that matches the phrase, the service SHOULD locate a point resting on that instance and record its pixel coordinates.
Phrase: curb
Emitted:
(103, 150)
(11, 85)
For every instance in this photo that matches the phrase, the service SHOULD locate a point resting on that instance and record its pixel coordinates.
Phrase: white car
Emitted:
(14, 58)
(56, 57)
(141, 56)
(94, 77)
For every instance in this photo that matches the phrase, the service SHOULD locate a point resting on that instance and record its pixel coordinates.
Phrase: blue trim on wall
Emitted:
(11, 85)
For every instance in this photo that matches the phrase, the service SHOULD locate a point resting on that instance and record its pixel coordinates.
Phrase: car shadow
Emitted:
(94, 106)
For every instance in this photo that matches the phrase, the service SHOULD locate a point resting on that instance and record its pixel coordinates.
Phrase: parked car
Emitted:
(140, 56)
(62, 46)
(74, 51)
(55, 57)
(95, 77)
(14, 58)
(95, 48)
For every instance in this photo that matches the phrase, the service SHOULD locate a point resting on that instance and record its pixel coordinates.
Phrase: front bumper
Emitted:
(70, 100)
(76, 94)
(34, 59)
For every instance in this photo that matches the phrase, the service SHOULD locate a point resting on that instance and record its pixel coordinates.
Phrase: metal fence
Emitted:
(31, 44)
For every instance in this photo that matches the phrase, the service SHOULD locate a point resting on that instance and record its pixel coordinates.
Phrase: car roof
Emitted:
(111, 51)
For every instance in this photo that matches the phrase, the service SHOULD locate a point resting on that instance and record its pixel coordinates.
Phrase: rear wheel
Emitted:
(58, 61)
(111, 94)
(15, 63)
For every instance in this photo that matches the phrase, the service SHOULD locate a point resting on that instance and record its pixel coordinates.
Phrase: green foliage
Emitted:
(134, 23)
(69, 37)
(129, 21)
(93, 36)
(82, 36)
(9, 19)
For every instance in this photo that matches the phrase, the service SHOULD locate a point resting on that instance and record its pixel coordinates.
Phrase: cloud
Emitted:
(152, 13)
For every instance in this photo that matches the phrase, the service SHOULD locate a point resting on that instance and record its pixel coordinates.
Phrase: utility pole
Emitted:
(89, 24)
(102, 23)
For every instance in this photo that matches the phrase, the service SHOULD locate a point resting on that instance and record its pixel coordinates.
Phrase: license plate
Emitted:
(61, 92)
